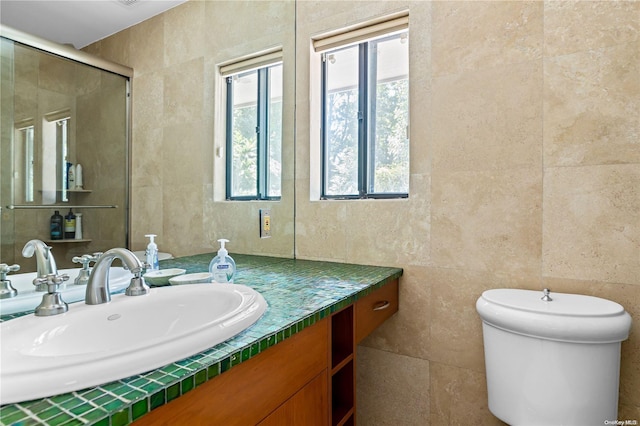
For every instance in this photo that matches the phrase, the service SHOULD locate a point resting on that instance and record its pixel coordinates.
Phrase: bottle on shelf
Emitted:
(70, 225)
(57, 226)
(78, 235)
(79, 180)
(71, 177)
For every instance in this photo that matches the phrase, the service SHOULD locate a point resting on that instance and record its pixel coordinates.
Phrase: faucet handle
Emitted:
(6, 290)
(85, 271)
(85, 259)
(52, 303)
(51, 280)
(5, 269)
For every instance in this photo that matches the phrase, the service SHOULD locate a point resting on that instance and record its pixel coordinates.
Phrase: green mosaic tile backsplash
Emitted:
(298, 292)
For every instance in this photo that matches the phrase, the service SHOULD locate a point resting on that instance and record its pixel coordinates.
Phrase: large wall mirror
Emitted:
(176, 130)
(64, 148)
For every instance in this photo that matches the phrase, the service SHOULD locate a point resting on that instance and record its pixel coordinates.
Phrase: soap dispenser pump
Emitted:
(222, 267)
(152, 253)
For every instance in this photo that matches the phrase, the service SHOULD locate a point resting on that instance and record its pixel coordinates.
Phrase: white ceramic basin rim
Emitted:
(96, 344)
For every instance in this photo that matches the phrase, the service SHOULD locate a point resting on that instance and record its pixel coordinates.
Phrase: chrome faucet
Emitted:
(98, 286)
(46, 264)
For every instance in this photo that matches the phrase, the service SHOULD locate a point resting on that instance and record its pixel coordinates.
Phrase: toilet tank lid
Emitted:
(568, 317)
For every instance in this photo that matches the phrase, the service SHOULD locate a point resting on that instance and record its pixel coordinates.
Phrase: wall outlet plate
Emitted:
(265, 223)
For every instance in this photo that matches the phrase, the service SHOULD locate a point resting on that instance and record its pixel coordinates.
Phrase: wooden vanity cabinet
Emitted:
(250, 391)
(307, 379)
(348, 327)
(307, 407)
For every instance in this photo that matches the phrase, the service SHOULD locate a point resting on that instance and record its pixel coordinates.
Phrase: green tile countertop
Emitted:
(298, 292)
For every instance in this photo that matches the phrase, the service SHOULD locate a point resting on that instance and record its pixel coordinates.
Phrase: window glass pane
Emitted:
(389, 115)
(274, 162)
(244, 166)
(62, 135)
(28, 163)
(341, 122)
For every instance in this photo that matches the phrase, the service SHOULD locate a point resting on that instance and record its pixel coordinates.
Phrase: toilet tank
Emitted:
(553, 362)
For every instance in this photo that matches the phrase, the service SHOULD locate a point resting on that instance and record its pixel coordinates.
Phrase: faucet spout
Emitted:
(44, 258)
(98, 286)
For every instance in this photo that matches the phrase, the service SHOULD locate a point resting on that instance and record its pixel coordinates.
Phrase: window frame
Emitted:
(366, 122)
(262, 134)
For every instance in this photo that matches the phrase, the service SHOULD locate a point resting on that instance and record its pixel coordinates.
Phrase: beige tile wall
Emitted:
(525, 173)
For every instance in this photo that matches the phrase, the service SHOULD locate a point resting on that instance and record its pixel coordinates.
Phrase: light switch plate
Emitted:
(265, 223)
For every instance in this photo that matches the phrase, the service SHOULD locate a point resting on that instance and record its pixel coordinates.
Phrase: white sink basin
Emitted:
(96, 344)
(28, 298)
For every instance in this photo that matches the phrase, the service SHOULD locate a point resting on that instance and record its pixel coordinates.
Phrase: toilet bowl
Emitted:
(552, 360)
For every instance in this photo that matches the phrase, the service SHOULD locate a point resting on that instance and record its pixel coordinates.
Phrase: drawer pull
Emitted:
(383, 304)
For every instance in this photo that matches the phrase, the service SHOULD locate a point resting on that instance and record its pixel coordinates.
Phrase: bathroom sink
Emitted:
(96, 344)
(28, 298)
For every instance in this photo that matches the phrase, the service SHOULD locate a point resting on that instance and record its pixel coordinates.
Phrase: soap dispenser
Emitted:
(152, 253)
(222, 267)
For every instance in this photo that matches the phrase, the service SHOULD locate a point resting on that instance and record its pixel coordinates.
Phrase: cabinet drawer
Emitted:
(374, 309)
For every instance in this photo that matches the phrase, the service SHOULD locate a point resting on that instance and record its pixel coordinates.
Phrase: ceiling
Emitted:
(78, 22)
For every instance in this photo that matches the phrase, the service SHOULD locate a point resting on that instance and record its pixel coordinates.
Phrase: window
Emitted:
(365, 118)
(56, 139)
(254, 134)
(27, 167)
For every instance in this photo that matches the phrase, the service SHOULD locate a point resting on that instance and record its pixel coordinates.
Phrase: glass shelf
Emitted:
(67, 240)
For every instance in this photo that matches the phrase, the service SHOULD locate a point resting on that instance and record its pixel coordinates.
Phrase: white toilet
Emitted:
(552, 358)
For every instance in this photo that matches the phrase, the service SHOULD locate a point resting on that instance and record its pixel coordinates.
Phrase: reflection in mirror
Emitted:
(179, 135)
(268, 40)
(254, 134)
(55, 154)
(60, 116)
(24, 162)
(61, 142)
